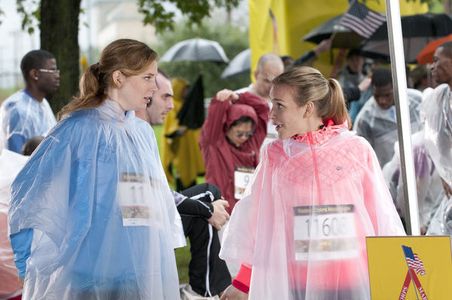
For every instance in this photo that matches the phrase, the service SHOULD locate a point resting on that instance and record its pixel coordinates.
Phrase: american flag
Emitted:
(413, 261)
(362, 20)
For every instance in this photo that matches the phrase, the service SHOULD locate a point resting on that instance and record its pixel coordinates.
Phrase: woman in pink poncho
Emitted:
(317, 193)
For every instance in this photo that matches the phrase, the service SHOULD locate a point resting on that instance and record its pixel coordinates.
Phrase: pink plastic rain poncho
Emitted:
(302, 224)
(10, 164)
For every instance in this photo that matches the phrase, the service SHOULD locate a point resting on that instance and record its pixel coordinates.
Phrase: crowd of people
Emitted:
(87, 211)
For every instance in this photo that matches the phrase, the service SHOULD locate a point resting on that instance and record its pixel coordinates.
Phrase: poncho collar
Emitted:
(112, 110)
(320, 136)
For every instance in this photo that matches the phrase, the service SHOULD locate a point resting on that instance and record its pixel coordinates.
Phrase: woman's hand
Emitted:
(225, 95)
(231, 293)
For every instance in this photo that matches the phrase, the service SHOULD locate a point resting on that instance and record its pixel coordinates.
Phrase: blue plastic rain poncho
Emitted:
(95, 207)
(379, 126)
(23, 117)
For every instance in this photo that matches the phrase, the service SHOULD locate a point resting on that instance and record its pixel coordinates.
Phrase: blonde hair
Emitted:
(309, 85)
(130, 57)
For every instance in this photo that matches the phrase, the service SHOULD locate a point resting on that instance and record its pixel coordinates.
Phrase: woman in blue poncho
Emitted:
(92, 216)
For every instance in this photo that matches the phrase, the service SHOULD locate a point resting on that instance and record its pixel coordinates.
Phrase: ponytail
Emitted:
(92, 91)
(337, 110)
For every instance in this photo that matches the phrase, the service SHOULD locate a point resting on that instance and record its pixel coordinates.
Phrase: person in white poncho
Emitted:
(376, 121)
(438, 134)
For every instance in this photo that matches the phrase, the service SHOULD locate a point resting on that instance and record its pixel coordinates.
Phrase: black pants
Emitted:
(208, 274)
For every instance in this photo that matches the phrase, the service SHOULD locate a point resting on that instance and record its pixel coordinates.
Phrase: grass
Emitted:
(182, 254)
(182, 259)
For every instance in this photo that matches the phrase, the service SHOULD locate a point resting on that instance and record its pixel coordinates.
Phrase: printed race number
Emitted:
(242, 177)
(324, 232)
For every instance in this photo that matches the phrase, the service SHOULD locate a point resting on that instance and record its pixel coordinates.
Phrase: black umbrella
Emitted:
(421, 25)
(418, 30)
(343, 37)
(191, 113)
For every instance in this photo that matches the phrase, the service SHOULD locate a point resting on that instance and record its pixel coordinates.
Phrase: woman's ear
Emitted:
(310, 108)
(118, 78)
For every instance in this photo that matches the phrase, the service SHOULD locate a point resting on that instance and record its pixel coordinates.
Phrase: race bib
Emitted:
(325, 232)
(134, 194)
(242, 176)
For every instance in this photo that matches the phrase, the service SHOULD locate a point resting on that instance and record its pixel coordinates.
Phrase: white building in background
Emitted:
(107, 20)
(15, 43)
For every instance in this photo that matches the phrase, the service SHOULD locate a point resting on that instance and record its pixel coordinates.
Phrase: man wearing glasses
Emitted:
(27, 113)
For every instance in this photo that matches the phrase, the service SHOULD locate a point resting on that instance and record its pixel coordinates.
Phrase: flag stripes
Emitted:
(362, 20)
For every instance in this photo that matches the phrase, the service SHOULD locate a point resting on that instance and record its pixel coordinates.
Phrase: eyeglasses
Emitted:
(51, 71)
(240, 134)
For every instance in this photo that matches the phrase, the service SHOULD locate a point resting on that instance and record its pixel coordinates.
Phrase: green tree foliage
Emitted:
(232, 39)
(155, 14)
(29, 10)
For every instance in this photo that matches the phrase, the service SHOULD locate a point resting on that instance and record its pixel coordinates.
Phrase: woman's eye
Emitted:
(147, 78)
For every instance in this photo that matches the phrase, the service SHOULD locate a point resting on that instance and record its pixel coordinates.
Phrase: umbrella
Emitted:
(426, 54)
(418, 30)
(421, 25)
(241, 63)
(191, 113)
(343, 37)
(195, 50)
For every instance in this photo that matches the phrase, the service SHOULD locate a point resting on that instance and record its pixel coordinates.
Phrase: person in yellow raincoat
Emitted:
(181, 156)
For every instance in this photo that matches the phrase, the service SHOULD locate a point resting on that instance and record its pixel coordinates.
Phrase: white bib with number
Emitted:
(242, 176)
(134, 196)
(325, 232)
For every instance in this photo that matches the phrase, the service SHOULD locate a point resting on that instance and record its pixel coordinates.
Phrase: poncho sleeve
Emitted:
(15, 136)
(239, 248)
(212, 129)
(377, 198)
(48, 173)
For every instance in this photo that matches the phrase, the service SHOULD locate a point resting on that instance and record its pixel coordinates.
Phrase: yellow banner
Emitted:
(403, 267)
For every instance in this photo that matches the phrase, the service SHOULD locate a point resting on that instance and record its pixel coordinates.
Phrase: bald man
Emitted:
(268, 67)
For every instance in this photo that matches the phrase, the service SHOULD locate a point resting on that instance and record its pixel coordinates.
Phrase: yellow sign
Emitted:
(410, 268)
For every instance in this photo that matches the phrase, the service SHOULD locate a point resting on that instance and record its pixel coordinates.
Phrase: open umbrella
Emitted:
(426, 54)
(418, 30)
(241, 63)
(195, 50)
(343, 37)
